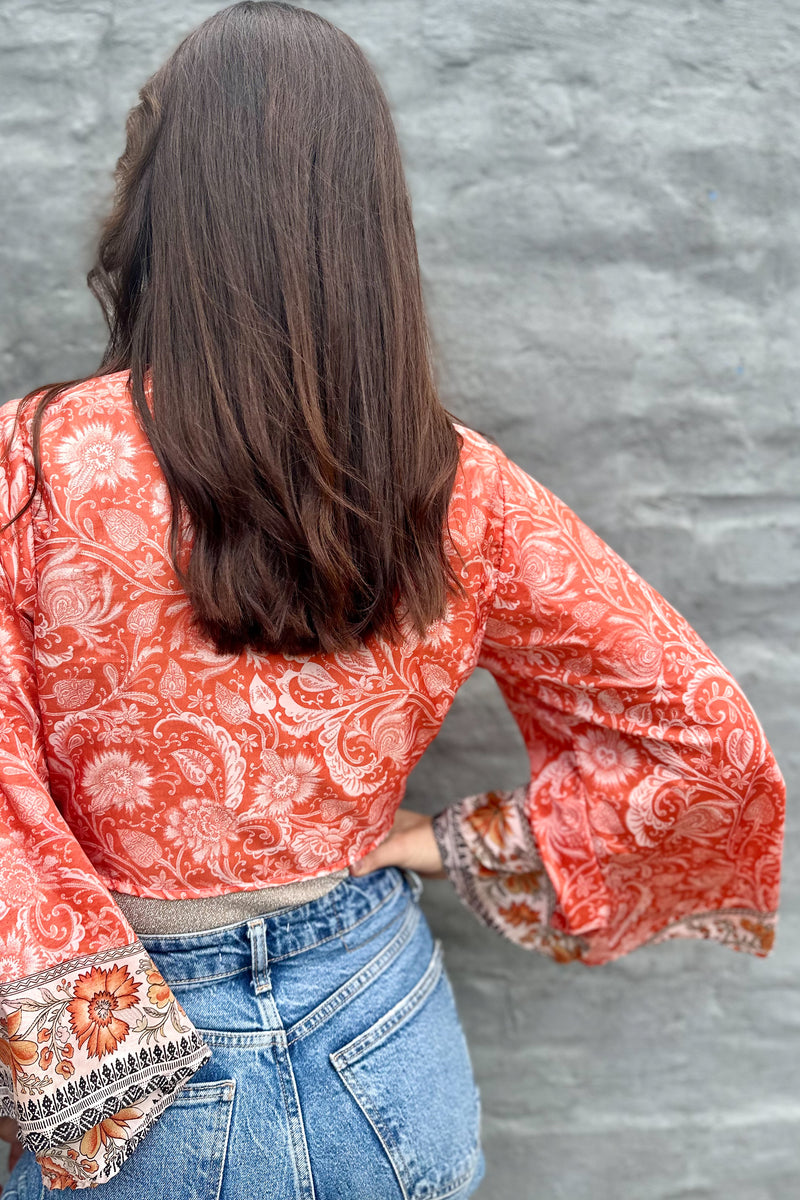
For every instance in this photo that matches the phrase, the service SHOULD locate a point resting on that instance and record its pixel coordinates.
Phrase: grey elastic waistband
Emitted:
(147, 915)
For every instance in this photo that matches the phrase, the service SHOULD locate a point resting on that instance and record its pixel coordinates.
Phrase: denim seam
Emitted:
(243, 1039)
(396, 1016)
(355, 1050)
(221, 1144)
(204, 1091)
(296, 1127)
(389, 1152)
(358, 982)
(341, 931)
(187, 983)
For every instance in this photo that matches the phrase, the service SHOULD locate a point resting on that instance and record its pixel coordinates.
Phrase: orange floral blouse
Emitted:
(136, 758)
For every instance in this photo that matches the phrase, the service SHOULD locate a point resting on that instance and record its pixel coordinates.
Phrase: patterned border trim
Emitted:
(119, 1153)
(91, 1053)
(74, 964)
(504, 901)
(102, 1092)
(743, 929)
(460, 863)
(464, 871)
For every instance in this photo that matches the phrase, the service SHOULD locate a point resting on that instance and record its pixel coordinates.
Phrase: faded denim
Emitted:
(339, 1068)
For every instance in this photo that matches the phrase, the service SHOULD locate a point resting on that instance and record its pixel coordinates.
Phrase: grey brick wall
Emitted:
(605, 197)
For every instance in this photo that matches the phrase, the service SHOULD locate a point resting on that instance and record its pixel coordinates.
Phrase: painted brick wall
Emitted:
(605, 197)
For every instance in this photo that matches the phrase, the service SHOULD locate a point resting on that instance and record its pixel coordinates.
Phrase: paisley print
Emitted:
(655, 807)
(137, 758)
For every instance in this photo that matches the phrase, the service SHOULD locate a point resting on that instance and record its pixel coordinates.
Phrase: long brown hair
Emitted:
(259, 276)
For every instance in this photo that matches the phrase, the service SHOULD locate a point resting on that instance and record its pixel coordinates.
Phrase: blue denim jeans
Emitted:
(339, 1068)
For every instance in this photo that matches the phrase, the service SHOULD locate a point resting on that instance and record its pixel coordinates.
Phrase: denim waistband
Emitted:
(216, 953)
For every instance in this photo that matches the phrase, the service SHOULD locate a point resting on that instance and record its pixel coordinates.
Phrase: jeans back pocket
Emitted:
(410, 1074)
(183, 1152)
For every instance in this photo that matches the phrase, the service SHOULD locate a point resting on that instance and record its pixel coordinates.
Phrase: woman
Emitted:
(246, 567)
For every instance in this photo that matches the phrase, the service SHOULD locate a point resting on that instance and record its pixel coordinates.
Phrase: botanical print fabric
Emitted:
(655, 806)
(136, 758)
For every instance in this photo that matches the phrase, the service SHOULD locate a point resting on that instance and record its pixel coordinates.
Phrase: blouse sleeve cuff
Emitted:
(491, 858)
(91, 1053)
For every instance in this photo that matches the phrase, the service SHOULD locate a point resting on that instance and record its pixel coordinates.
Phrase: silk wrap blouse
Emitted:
(136, 758)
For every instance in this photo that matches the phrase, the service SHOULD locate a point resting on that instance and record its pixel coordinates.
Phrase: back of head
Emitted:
(260, 279)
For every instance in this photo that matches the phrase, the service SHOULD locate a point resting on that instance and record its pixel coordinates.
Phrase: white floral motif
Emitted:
(159, 500)
(116, 778)
(316, 848)
(31, 804)
(9, 669)
(142, 848)
(644, 822)
(606, 756)
(96, 457)
(18, 883)
(439, 633)
(19, 958)
(286, 782)
(69, 595)
(201, 825)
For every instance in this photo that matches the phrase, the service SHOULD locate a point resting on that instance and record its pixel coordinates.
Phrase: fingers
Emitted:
(375, 859)
(387, 853)
(410, 844)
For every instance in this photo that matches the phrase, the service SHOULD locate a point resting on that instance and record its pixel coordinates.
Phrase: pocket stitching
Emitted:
(200, 979)
(394, 1152)
(228, 1096)
(396, 1016)
(371, 971)
(203, 1091)
(357, 1049)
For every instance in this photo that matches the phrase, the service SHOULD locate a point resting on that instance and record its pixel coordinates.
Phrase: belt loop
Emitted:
(414, 882)
(256, 931)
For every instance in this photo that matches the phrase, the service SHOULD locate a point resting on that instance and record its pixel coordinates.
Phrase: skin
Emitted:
(410, 843)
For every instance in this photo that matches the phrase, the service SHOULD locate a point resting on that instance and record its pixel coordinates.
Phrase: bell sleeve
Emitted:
(93, 1043)
(655, 807)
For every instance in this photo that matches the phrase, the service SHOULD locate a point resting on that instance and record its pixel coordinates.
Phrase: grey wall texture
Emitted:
(605, 197)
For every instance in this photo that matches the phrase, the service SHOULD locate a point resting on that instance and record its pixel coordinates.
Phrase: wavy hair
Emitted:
(259, 276)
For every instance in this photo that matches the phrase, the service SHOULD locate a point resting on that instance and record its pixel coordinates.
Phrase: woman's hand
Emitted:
(8, 1132)
(410, 844)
